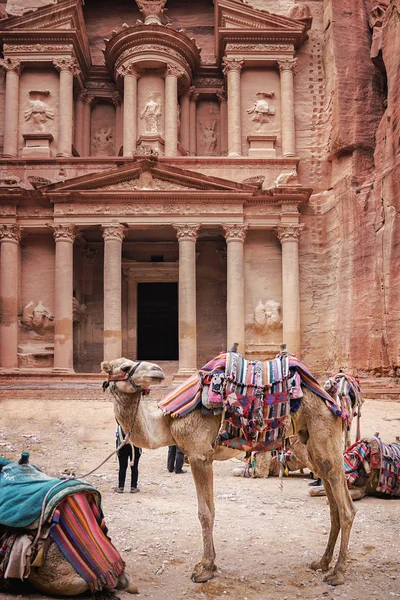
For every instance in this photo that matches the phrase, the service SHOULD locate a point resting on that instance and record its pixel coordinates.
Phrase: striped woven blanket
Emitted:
(79, 530)
(347, 393)
(382, 457)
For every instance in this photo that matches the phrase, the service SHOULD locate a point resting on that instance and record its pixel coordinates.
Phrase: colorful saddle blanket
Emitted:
(383, 457)
(255, 397)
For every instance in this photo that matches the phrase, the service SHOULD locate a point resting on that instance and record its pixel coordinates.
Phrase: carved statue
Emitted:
(37, 318)
(39, 113)
(286, 179)
(152, 114)
(103, 144)
(209, 135)
(79, 311)
(261, 109)
(267, 316)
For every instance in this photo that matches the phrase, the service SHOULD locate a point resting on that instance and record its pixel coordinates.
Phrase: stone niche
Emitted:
(208, 128)
(38, 113)
(151, 113)
(263, 305)
(261, 113)
(103, 127)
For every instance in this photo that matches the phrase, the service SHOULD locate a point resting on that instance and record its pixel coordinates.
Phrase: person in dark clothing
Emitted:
(175, 460)
(124, 456)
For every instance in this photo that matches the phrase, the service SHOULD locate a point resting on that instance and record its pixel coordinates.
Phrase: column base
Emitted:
(288, 154)
(63, 154)
(233, 154)
(183, 374)
(10, 370)
(62, 371)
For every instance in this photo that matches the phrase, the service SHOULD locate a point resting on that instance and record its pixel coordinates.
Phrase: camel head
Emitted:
(331, 386)
(130, 376)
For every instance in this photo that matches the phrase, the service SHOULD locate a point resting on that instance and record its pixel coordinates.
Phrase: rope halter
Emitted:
(121, 376)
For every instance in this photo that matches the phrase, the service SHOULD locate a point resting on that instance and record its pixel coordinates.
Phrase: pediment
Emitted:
(235, 14)
(146, 176)
(42, 14)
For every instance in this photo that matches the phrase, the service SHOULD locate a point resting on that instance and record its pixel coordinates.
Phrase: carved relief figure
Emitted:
(261, 109)
(38, 110)
(152, 114)
(79, 311)
(209, 135)
(37, 318)
(267, 316)
(103, 144)
(286, 179)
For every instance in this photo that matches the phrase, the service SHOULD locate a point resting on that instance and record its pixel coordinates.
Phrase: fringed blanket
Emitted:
(347, 393)
(79, 531)
(382, 457)
(254, 395)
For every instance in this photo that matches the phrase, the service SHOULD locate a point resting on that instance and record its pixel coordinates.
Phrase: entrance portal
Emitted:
(157, 321)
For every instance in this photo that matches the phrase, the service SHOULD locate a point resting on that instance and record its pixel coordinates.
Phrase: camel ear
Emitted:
(106, 367)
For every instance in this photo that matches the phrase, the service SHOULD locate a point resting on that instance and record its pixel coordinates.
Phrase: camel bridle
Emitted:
(121, 376)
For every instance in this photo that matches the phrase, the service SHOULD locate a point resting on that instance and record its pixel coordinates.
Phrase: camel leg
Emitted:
(325, 561)
(202, 472)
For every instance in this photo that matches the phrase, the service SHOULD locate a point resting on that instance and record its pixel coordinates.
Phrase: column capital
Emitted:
(173, 71)
(235, 232)
(129, 69)
(11, 64)
(115, 232)
(66, 63)
(287, 64)
(288, 233)
(193, 95)
(10, 233)
(221, 96)
(116, 98)
(64, 233)
(186, 233)
(232, 64)
(86, 97)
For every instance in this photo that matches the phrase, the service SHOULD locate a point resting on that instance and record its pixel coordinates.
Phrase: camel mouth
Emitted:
(157, 377)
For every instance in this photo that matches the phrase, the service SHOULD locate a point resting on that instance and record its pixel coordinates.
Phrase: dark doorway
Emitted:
(157, 321)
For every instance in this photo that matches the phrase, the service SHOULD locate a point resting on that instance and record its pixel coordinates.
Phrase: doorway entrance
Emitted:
(157, 322)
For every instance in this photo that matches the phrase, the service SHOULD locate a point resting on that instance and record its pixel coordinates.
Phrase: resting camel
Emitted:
(196, 433)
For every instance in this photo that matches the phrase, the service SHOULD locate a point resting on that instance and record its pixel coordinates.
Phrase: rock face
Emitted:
(351, 319)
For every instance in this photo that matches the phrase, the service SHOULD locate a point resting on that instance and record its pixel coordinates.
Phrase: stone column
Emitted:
(79, 120)
(194, 96)
(116, 100)
(12, 67)
(235, 236)
(87, 100)
(289, 237)
(232, 70)
(185, 121)
(187, 236)
(64, 236)
(113, 236)
(10, 237)
(67, 68)
(131, 76)
(172, 75)
(223, 115)
(286, 68)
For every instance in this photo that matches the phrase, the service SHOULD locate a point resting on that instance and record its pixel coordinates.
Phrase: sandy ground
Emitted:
(265, 536)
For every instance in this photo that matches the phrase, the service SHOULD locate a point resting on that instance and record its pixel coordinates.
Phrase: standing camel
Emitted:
(317, 428)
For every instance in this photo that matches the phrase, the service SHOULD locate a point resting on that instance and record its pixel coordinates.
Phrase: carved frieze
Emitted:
(260, 47)
(64, 233)
(31, 48)
(148, 209)
(37, 182)
(186, 233)
(235, 232)
(10, 233)
(145, 181)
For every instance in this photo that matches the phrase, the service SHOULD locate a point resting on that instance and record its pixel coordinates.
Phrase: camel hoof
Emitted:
(203, 573)
(334, 578)
(319, 565)
(132, 589)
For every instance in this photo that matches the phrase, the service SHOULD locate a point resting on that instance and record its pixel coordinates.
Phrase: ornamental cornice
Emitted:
(259, 46)
(186, 233)
(288, 233)
(11, 65)
(232, 64)
(64, 233)
(235, 232)
(31, 48)
(287, 64)
(10, 233)
(114, 232)
(66, 63)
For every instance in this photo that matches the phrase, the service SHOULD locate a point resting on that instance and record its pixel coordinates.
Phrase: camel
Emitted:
(318, 429)
(263, 464)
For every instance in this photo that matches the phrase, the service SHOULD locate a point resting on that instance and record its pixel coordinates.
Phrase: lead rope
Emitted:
(69, 477)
